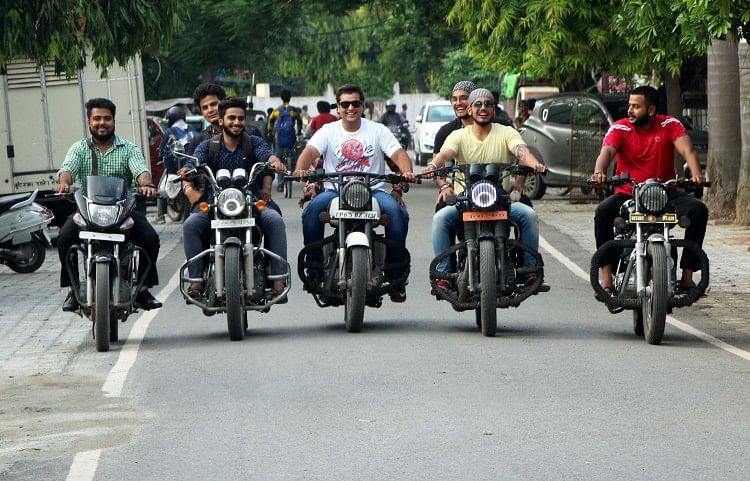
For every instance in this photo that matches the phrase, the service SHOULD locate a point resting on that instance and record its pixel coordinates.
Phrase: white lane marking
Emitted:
(115, 381)
(671, 320)
(84, 466)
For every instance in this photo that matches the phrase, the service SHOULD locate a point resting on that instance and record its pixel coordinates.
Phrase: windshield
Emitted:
(104, 190)
(440, 113)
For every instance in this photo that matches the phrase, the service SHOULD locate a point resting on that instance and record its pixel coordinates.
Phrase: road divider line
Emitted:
(84, 465)
(573, 267)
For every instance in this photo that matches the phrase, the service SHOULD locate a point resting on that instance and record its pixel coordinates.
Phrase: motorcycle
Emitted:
(234, 275)
(645, 273)
(402, 134)
(299, 146)
(353, 267)
(24, 237)
(170, 188)
(489, 270)
(110, 281)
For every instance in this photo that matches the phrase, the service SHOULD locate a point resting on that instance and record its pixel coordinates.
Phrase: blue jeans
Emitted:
(448, 218)
(313, 229)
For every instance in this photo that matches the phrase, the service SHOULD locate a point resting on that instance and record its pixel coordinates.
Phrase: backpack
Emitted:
(285, 135)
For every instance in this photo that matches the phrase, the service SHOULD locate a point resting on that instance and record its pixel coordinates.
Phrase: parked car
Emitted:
(431, 117)
(196, 122)
(565, 132)
(155, 136)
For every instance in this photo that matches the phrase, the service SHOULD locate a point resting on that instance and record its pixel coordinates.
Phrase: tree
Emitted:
(742, 211)
(60, 31)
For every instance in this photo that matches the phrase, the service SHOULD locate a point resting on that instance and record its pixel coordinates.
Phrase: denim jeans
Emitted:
(448, 218)
(313, 229)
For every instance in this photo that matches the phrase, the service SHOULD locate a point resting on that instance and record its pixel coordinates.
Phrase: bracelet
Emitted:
(432, 164)
(444, 186)
(149, 185)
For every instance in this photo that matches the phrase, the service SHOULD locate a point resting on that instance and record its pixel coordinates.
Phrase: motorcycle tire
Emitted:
(638, 322)
(233, 288)
(101, 307)
(30, 257)
(356, 276)
(487, 287)
(654, 306)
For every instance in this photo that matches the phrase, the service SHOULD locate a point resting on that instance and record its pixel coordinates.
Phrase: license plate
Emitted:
(232, 223)
(355, 214)
(105, 236)
(484, 216)
(637, 218)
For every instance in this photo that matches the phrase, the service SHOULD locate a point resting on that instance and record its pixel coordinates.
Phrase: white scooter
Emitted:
(24, 236)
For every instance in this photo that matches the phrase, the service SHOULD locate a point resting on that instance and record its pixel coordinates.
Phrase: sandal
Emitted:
(194, 292)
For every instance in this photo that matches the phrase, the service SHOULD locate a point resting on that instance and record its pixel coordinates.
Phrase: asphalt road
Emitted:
(565, 391)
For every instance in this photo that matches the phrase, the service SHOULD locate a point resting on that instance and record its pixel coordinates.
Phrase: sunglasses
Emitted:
(479, 104)
(345, 104)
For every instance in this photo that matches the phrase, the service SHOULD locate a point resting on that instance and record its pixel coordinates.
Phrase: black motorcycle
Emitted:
(353, 267)
(234, 266)
(489, 262)
(110, 281)
(645, 274)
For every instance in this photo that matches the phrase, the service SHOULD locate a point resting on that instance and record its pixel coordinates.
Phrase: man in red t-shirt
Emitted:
(644, 143)
(324, 117)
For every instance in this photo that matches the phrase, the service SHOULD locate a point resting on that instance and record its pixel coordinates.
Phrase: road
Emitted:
(565, 391)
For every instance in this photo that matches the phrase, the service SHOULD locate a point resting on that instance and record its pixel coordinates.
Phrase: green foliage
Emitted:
(457, 65)
(60, 31)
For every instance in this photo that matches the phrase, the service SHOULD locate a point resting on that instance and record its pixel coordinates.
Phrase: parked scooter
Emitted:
(170, 188)
(23, 232)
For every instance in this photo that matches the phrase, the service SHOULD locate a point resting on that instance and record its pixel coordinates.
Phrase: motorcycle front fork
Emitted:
(639, 263)
(471, 232)
(247, 263)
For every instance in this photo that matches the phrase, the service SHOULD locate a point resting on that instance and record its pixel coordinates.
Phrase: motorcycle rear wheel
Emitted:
(31, 258)
(101, 308)
(488, 287)
(356, 291)
(233, 288)
(654, 306)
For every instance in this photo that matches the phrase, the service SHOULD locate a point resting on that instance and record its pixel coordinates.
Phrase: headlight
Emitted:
(231, 202)
(356, 195)
(652, 198)
(483, 194)
(103, 215)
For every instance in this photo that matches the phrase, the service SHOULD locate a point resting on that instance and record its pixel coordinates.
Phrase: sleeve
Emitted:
(201, 153)
(319, 140)
(389, 144)
(440, 137)
(260, 148)
(453, 141)
(195, 142)
(675, 129)
(613, 137)
(72, 162)
(512, 137)
(136, 162)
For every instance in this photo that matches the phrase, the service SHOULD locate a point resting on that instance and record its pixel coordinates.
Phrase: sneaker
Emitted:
(71, 303)
(398, 295)
(443, 283)
(532, 280)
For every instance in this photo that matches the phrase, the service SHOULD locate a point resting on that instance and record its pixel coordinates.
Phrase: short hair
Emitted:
(285, 95)
(350, 89)
(323, 106)
(204, 90)
(100, 103)
(231, 103)
(649, 93)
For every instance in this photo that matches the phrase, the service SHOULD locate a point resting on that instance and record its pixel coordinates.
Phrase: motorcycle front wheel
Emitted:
(356, 290)
(654, 306)
(101, 307)
(233, 287)
(488, 287)
(30, 257)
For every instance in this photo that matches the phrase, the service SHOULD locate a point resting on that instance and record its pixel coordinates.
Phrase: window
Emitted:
(440, 113)
(557, 113)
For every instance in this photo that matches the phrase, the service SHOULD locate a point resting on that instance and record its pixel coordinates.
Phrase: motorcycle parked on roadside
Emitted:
(645, 273)
(353, 267)
(234, 266)
(24, 237)
(489, 270)
(170, 187)
(110, 281)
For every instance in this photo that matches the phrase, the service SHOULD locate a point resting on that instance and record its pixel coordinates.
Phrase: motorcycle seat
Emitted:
(8, 201)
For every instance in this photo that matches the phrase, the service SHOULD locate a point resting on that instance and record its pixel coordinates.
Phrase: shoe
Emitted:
(194, 292)
(531, 280)
(70, 304)
(146, 301)
(276, 292)
(398, 295)
(443, 283)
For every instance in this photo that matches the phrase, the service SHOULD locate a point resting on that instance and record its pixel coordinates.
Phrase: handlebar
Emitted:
(624, 178)
(342, 176)
(514, 169)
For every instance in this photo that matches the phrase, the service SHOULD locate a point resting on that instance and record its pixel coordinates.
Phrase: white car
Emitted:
(432, 116)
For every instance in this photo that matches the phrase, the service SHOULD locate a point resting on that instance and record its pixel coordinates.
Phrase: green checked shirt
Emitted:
(123, 160)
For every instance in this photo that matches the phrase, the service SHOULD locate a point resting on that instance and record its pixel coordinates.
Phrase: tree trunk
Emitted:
(674, 94)
(724, 138)
(743, 184)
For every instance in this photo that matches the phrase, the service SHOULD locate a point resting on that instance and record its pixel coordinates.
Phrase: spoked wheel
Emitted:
(29, 257)
(101, 308)
(356, 291)
(488, 286)
(654, 306)
(233, 287)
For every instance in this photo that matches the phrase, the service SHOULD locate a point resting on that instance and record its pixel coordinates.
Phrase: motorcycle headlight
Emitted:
(356, 195)
(483, 194)
(231, 202)
(652, 198)
(103, 215)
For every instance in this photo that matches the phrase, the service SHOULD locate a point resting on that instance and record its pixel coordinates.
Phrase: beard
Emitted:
(482, 122)
(229, 132)
(102, 137)
(640, 121)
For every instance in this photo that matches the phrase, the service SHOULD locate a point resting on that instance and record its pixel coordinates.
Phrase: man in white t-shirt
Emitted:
(483, 143)
(356, 144)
